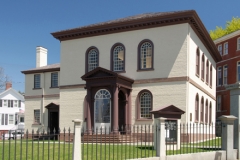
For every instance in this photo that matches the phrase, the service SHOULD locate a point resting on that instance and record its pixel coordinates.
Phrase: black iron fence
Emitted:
(135, 141)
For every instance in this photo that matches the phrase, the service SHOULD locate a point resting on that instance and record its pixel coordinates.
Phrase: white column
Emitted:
(227, 135)
(160, 140)
(77, 140)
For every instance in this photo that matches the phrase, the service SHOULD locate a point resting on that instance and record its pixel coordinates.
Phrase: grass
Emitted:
(42, 150)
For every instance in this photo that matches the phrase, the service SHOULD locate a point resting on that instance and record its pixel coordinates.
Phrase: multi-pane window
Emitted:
(10, 103)
(219, 78)
(11, 119)
(211, 76)
(225, 48)
(238, 71)
(37, 81)
(0, 103)
(146, 55)
(220, 49)
(15, 103)
(37, 116)
(196, 108)
(54, 79)
(202, 67)
(206, 112)
(210, 113)
(145, 105)
(207, 71)
(238, 44)
(21, 119)
(92, 59)
(118, 58)
(5, 103)
(219, 102)
(197, 62)
(202, 107)
(225, 72)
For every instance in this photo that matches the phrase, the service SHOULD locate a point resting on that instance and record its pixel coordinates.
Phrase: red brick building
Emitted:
(228, 70)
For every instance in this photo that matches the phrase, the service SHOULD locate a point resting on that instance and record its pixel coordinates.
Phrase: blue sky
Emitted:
(25, 24)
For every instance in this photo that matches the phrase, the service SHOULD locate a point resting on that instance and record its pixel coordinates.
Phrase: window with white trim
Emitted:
(118, 58)
(202, 67)
(225, 48)
(219, 76)
(219, 102)
(54, 79)
(11, 119)
(225, 73)
(202, 109)
(220, 49)
(197, 61)
(15, 103)
(146, 53)
(238, 43)
(196, 108)
(37, 81)
(92, 59)
(145, 105)
(206, 111)
(10, 103)
(207, 71)
(5, 103)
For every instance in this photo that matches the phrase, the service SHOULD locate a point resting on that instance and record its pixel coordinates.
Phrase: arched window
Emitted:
(92, 59)
(196, 108)
(197, 61)
(202, 67)
(206, 111)
(202, 109)
(238, 43)
(207, 71)
(144, 104)
(102, 106)
(145, 55)
(118, 58)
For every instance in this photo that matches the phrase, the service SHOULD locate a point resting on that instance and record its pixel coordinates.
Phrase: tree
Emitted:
(231, 26)
(3, 79)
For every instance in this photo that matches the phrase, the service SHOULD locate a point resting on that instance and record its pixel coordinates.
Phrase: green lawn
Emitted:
(42, 150)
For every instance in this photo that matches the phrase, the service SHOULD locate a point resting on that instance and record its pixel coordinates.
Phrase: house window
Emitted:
(207, 71)
(210, 113)
(19, 103)
(5, 103)
(202, 67)
(0, 103)
(238, 43)
(144, 104)
(10, 103)
(219, 74)
(225, 48)
(196, 108)
(220, 49)
(211, 76)
(238, 71)
(6, 119)
(92, 59)
(225, 72)
(197, 61)
(118, 58)
(219, 102)
(54, 79)
(37, 81)
(21, 119)
(202, 109)
(15, 103)
(145, 61)
(11, 119)
(37, 116)
(206, 112)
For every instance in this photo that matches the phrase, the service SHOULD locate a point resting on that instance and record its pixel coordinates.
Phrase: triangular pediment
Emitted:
(171, 109)
(99, 73)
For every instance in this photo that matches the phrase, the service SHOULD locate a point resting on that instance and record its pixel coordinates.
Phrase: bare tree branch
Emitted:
(3, 79)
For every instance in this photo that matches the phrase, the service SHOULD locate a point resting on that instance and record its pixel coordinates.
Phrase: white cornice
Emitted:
(224, 38)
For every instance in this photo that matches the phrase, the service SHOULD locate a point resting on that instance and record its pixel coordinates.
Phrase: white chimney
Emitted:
(41, 57)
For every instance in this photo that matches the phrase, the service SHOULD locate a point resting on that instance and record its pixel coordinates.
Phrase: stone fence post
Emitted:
(228, 136)
(76, 155)
(160, 139)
